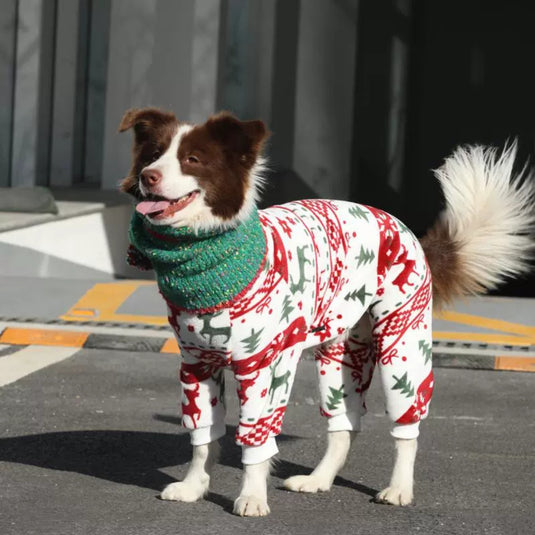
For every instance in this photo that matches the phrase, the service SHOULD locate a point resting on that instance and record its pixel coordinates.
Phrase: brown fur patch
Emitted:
(153, 131)
(450, 278)
(220, 155)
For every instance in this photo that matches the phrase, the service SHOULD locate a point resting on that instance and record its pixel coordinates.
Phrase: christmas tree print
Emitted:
(426, 350)
(252, 341)
(402, 227)
(286, 308)
(404, 385)
(357, 212)
(358, 294)
(335, 397)
(365, 256)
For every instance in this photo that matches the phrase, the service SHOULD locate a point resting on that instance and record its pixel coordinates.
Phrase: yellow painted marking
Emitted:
(43, 337)
(85, 313)
(488, 323)
(104, 299)
(508, 333)
(170, 346)
(519, 364)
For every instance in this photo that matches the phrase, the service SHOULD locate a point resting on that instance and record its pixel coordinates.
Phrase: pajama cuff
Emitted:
(406, 431)
(205, 435)
(349, 421)
(259, 454)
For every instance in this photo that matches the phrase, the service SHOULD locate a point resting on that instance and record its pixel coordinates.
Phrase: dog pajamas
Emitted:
(349, 280)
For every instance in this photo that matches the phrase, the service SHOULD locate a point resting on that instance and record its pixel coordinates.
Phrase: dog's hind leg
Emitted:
(345, 368)
(400, 490)
(195, 484)
(321, 479)
(402, 338)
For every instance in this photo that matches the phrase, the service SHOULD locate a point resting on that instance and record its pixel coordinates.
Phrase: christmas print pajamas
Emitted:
(347, 279)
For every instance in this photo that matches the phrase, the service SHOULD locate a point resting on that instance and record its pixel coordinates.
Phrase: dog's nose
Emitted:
(151, 177)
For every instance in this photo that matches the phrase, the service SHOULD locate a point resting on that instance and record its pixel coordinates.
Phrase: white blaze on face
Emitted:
(174, 184)
(191, 210)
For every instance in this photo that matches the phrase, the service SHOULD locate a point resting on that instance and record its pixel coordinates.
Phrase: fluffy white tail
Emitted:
(485, 234)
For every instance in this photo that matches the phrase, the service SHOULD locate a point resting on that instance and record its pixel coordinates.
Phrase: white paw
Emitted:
(251, 506)
(395, 496)
(309, 483)
(183, 492)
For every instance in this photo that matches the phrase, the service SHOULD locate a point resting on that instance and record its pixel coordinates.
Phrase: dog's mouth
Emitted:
(157, 207)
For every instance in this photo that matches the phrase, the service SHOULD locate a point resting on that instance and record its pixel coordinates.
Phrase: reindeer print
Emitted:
(278, 381)
(191, 409)
(209, 331)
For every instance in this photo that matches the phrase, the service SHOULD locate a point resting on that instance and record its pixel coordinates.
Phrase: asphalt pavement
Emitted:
(87, 443)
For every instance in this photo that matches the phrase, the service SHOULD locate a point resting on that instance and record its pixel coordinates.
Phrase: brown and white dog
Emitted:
(208, 176)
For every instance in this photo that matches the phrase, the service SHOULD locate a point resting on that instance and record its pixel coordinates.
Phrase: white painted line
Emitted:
(482, 352)
(31, 359)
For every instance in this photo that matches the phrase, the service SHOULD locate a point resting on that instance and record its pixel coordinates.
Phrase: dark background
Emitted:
(471, 80)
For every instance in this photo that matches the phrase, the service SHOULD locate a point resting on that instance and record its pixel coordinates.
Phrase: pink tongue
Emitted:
(149, 207)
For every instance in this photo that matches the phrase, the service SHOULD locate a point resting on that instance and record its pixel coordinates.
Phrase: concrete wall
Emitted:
(32, 92)
(7, 63)
(77, 66)
(91, 245)
(161, 53)
(324, 95)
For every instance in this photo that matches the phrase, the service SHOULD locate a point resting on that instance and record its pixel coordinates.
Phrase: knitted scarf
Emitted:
(202, 270)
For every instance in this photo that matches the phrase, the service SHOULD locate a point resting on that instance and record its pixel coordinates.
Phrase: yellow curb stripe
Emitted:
(517, 364)
(489, 323)
(43, 337)
(101, 302)
(170, 346)
(486, 338)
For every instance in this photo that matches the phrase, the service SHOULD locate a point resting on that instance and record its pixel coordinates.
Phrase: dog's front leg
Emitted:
(197, 481)
(252, 500)
(400, 490)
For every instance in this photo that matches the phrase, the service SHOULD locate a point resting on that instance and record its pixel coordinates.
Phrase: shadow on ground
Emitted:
(133, 457)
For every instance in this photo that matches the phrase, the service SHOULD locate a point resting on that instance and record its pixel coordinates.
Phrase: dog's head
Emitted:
(201, 176)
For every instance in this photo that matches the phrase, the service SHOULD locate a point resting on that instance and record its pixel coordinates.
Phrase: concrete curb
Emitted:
(47, 336)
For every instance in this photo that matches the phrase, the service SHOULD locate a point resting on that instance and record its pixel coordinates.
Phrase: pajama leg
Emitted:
(264, 395)
(403, 345)
(345, 367)
(203, 409)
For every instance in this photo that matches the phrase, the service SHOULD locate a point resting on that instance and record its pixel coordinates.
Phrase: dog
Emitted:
(252, 289)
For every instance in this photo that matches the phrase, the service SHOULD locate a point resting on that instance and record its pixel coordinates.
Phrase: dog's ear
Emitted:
(245, 139)
(129, 119)
(147, 123)
(145, 120)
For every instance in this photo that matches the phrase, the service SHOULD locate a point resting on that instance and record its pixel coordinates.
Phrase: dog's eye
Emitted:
(192, 159)
(155, 155)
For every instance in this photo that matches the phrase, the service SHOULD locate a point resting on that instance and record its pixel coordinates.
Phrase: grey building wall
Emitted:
(8, 18)
(325, 95)
(72, 67)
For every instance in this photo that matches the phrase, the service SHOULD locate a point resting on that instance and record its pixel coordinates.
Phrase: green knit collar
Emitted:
(201, 270)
